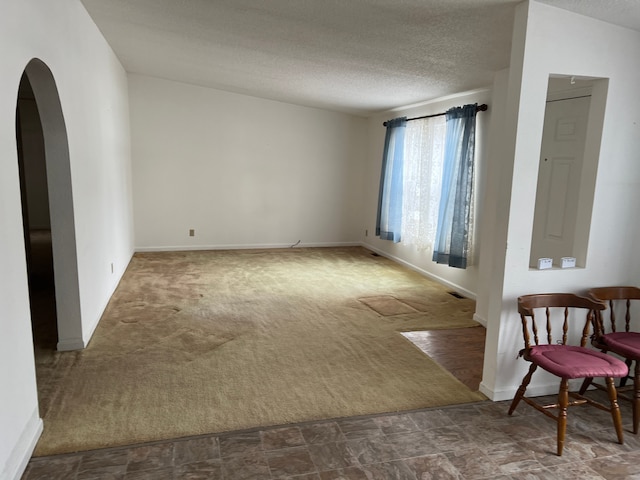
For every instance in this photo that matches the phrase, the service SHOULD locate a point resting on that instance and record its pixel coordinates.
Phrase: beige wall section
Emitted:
(93, 93)
(462, 280)
(548, 41)
(241, 171)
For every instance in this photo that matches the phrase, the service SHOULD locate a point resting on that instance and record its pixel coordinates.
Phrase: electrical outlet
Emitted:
(192, 232)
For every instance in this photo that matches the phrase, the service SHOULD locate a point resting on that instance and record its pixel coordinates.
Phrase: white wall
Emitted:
(497, 174)
(241, 171)
(547, 41)
(93, 94)
(463, 280)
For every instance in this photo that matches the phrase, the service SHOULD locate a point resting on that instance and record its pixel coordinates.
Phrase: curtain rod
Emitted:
(479, 108)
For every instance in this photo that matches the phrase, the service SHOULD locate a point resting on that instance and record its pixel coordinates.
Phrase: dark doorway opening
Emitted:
(36, 219)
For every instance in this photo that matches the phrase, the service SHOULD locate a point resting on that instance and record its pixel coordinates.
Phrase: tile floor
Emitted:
(473, 441)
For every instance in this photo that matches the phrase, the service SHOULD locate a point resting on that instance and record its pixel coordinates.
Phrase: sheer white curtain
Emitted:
(422, 183)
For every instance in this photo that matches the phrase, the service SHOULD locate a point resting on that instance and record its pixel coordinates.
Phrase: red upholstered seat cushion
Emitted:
(626, 344)
(567, 361)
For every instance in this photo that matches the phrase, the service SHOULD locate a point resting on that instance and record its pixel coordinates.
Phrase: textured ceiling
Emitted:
(625, 13)
(356, 56)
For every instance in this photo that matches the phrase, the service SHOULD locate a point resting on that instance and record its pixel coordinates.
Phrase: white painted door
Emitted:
(559, 175)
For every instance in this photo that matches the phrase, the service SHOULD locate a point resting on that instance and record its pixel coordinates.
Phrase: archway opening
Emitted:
(36, 219)
(49, 224)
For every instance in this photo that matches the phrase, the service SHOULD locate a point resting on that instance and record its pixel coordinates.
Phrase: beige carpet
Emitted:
(204, 342)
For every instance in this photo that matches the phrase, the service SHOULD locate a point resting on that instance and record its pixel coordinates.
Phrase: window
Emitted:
(426, 186)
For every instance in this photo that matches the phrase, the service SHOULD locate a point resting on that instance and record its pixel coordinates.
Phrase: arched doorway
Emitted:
(48, 219)
(36, 219)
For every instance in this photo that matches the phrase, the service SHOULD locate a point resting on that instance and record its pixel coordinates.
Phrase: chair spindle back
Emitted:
(616, 297)
(557, 306)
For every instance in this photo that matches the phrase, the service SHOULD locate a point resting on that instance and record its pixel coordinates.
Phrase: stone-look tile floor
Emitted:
(473, 441)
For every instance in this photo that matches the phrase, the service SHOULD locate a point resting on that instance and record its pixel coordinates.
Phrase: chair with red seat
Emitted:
(616, 335)
(559, 312)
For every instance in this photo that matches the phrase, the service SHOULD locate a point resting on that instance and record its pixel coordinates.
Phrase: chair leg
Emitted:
(636, 398)
(522, 388)
(615, 408)
(623, 380)
(563, 403)
(585, 384)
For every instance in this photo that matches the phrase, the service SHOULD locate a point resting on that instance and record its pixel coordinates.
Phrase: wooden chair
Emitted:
(559, 312)
(619, 338)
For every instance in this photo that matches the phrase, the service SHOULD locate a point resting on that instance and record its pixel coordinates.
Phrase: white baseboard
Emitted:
(496, 395)
(481, 320)
(532, 390)
(68, 344)
(457, 288)
(87, 333)
(21, 453)
(261, 246)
